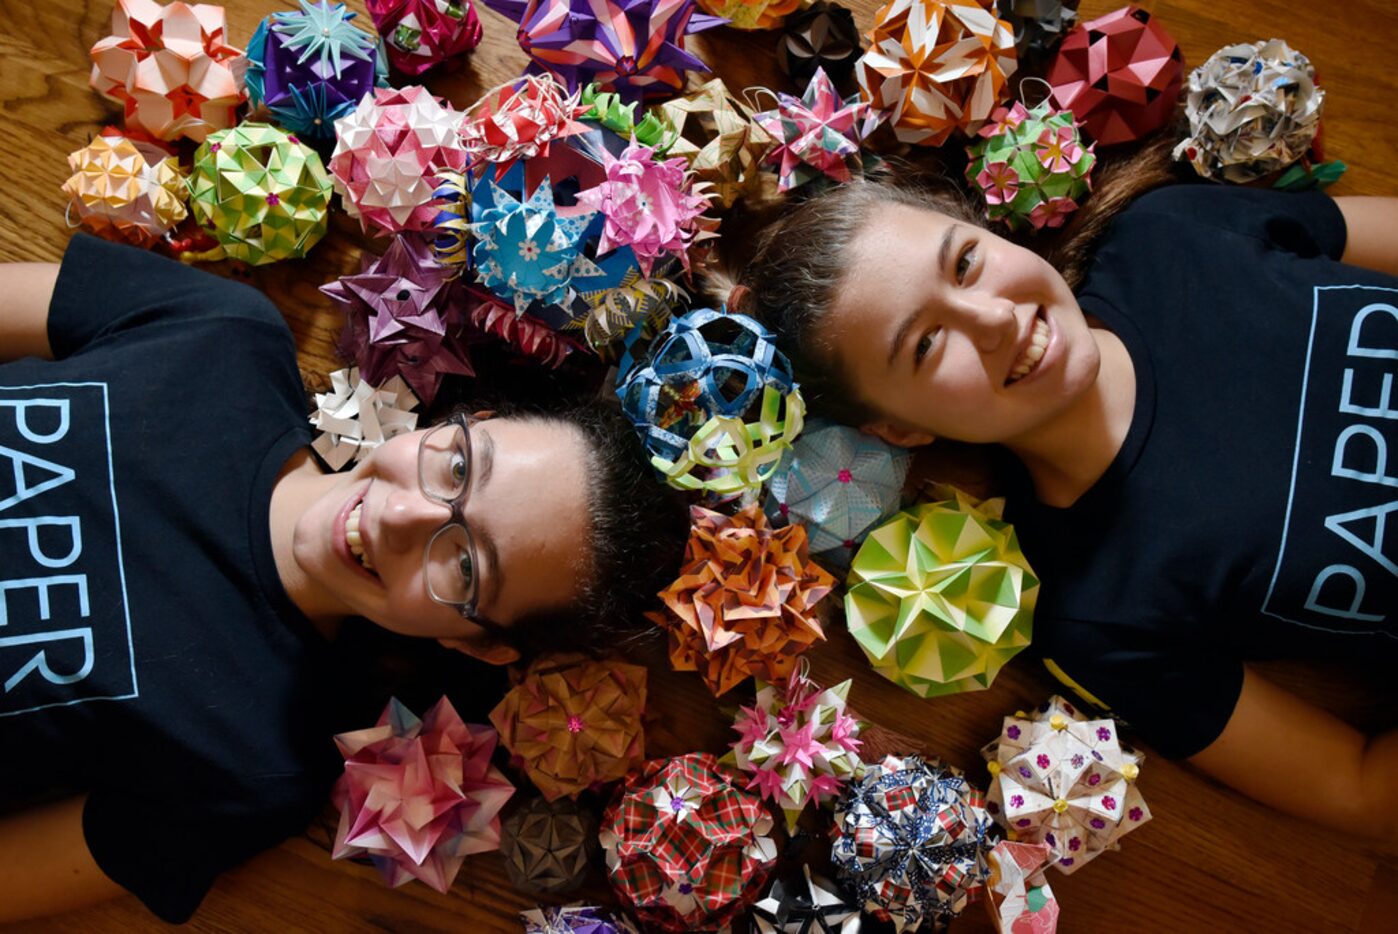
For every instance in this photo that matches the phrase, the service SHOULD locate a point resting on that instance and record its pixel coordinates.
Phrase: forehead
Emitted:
(891, 264)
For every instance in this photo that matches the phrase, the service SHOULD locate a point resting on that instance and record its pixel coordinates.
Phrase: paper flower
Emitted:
(170, 68)
(839, 483)
(403, 317)
(751, 14)
(686, 848)
(818, 135)
(744, 602)
(353, 418)
(529, 337)
(1039, 25)
(574, 723)
(941, 597)
(1020, 900)
(718, 137)
(797, 743)
(615, 311)
(824, 36)
(547, 845)
(418, 796)
(1025, 159)
(633, 47)
(125, 190)
(609, 110)
(936, 67)
(815, 908)
(910, 839)
(389, 152)
(575, 919)
(518, 120)
(1253, 110)
(1119, 74)
(263, 194)
(422, 34)
(1061, 779)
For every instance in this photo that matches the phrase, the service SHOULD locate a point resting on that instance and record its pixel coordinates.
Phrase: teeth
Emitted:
(1038, 342)
(353, 538)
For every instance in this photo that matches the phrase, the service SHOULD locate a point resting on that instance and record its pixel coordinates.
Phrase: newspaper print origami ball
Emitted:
(423, 34)
(686, 848)
(822, 35)
(941, 597)
(1119, 74)
(548, 845)
(1031, 166)
(936, 66)
(125, 190)
(1039, 25)
(575, 919)
(751, 14)
(1061, 779)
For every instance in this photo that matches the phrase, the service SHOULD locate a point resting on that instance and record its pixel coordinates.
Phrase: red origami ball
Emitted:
(422, 34)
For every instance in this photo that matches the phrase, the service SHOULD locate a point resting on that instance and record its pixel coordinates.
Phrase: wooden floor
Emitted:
(1208, 861)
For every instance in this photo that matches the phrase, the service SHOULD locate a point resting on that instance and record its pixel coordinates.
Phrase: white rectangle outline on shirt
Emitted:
(121, 563)
(1296, 457)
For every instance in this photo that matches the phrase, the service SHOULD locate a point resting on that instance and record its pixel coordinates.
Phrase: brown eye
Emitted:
(964, 262)
(924, 345)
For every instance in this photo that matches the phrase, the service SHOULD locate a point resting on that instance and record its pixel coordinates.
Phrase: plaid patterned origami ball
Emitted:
(1031, 166)
(686, 848)
(422, 34)
(548, 845)
(125, 190)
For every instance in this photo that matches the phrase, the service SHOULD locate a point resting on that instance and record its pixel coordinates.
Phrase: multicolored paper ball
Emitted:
(421, 35)
(1031, 166)
(125, 190)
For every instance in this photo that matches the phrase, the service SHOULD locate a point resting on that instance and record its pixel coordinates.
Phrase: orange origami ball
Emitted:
(125, 190)
(752, 14)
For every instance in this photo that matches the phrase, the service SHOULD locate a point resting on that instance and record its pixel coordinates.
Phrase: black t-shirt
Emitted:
(148, 653)
(1246, 515)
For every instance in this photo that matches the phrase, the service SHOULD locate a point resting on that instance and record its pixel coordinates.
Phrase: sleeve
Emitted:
(1307, 223)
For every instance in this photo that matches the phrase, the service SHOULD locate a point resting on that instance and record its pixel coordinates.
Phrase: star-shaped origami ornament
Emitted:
(817, 135)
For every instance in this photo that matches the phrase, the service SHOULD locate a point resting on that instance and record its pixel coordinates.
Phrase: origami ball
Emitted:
(423, 34)
(575, 724)
(815, 908)
(751, 14)
(575, 919)
(1253, 110)
(823, 36)
(125, 190)
(910, 839)
(743, 603)
(817, 136)
(941, 597)
(263, 194)
(644, 305)
(607, 109)
(719, 137)
(419, 796)
(353, 418)
(1039, 25)
(390, 152)
(686, 848)
(518, 121)
(547, 845)
(1031, 166)
(525, 335)
(936, 66)
(170, 68)
(1020, 900)
(1119, 74)
(1061, 779)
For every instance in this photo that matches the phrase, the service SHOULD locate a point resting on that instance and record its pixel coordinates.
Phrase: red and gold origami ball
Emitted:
(752, 14)
(170, 68)
(1119, 74)
(126, 190)
(936, 66)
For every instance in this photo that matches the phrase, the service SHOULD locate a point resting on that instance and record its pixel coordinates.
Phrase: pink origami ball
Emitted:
(422, 34)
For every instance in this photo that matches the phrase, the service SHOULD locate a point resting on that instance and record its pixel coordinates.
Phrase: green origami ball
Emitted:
(264, 194)
(941, 597)
(1031, 166)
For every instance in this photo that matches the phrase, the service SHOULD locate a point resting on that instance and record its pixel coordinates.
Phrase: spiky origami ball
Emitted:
(751, 14)
(1032, 166)
(719, 137)
(262, 192)
(423, 34)
(548, 845)
(125, 190)
(818, 136)
(686, 848)
(941, 597)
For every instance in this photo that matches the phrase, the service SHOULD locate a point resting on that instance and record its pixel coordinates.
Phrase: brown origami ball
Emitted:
(548, 845)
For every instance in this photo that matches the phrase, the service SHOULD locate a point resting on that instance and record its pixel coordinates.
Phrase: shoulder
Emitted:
(1306, 223)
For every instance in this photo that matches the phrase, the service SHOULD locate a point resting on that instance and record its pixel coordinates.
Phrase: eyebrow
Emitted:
(906, 327)
(484, 447)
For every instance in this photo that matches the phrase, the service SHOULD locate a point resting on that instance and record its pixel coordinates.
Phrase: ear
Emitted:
(898, 437)
(491, 652)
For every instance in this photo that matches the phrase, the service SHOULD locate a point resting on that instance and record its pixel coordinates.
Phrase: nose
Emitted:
(409, 518)
(988, 320)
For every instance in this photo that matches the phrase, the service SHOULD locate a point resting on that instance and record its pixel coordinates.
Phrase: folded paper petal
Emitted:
(353, 418)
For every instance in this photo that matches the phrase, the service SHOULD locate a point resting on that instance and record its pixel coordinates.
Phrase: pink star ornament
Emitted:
(818, 135)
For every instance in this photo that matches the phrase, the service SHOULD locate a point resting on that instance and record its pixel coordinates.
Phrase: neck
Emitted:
(298, 485)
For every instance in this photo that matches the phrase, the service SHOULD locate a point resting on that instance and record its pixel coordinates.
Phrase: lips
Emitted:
(1033, 349)
(340, 538)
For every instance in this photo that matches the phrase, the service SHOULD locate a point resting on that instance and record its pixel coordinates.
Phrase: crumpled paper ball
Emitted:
(818, 135)
(609, 110)
(419, 796)
(815, 908)
(937, 67)
(531, 338)
(575, 919)
(518, 120)
(423, 34)
(751, 14)
(404, 316)
(125, 190)
(686, 848)
(720, 139)
(353, 418)
(575, 723)
(1253, 110)
(1039, 25)
(170, 67)
(941, 597)
(910, 839)
(744, 603)
(1119, 74)
(547, 845)
(1061, 779)
(822, 35)
(388, 155)
(1018, 897)
(263, 193)
(1032, 166)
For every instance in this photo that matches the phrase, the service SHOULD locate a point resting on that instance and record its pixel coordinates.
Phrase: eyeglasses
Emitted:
(449, 561)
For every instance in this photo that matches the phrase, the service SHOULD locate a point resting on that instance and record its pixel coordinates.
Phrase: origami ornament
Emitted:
(1039, 25)
(125, 190)
(1020, 900)
(910, 838)
(518, 121)
(547, 845)
(1031, 165)
(637, 302)
(263, 194)
(451, 228)
(1254, 109)
(1119, 74)
(353, 418)
(403, 317)
(817, 136)
(575, 919)
(523, 333)
(1061, 779)
(633, 47)
(423, 34)
(816, 908)
(719, 138)
(751, 14)
(936, 67)
(391, 149)
(607, 109)
(575, 724)
(418, 796)
(941, 597)
(822, 36)
(686, 848)
(170, 68)
(839, 483)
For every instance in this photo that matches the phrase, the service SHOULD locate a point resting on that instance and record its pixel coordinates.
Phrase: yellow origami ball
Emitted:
(125, 190)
